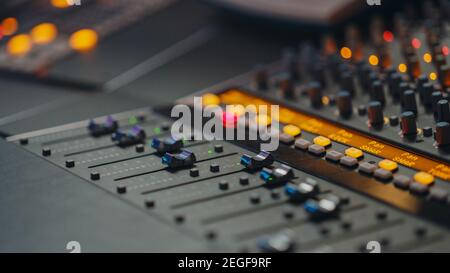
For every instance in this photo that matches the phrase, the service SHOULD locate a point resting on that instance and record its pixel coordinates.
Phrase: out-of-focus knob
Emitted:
(443, 111)
(409, 101)
(375, 113)
(315, 94)
(287, 88)
(347, 83)
(442, 134)
(408, 123)
(377, 92)
(344, 103)
(261, 79)
(435, 97)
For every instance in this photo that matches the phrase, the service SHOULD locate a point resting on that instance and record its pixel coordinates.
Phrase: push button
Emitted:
(292, 130)
(322, 141)
(302, 144)
(388, 165)
(424, 178)
(367, 168)
(353, 152)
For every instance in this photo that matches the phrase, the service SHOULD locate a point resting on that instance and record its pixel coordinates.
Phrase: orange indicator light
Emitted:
(83, 40)
(346, 53)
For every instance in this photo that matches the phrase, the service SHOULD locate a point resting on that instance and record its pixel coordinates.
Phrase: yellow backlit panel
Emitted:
(343, 135)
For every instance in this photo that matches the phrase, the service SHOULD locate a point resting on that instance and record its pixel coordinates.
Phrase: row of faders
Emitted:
(394, 85)
(310, 195)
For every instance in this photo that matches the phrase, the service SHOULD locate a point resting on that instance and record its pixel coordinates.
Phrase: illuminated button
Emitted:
(61, 4)
(19, 45)
(210, 99)
(263, 120)
(353, 152)
(83, 40)
(292, 130)
(388, 165)
(44, 33)
(9, 26)
(346, 53)
(424, 178)
(322, 141)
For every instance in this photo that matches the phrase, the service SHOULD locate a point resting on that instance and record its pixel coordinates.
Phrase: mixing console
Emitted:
(364, 151)
(40, 33)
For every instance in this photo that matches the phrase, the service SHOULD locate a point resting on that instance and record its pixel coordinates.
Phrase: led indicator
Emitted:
(388, 36)
(83, 40)
(346, 53)
(373, 60)
(44, 33)
(416, 43)
(402, 68)
(427, 58)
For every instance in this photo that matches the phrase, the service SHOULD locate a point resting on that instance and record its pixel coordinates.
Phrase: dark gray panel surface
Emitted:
(43, 207)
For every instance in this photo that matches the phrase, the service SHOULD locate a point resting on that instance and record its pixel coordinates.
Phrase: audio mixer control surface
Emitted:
(363, 154)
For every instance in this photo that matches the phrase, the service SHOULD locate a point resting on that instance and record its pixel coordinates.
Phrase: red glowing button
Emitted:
(229, 119)
(445, 50)
(388, 36)
(416, 43)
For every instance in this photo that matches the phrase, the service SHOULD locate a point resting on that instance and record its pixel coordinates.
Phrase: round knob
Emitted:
(426, 90)
(347, 83)
(344, 103)
(375, 113)
(287, 88)
(443, 111)
(261, 78)
(377, 92)
(409, 101)
(408, 123)
(394, 85)
(315, 94)
(442, 134)
(435, 97)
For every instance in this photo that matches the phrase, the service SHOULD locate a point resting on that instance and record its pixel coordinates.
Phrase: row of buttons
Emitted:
(419, 184)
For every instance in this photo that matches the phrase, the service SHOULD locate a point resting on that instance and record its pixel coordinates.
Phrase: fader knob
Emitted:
(344, 103)
(408, 123)
(375, 113)
(442, 134)
(315, 94)
(442, 111)
(377, 92)
(409, 101)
